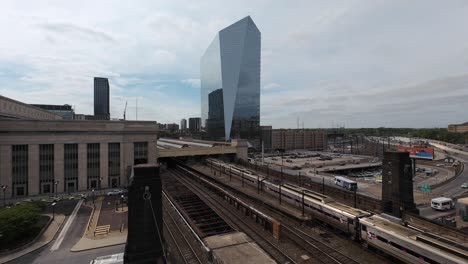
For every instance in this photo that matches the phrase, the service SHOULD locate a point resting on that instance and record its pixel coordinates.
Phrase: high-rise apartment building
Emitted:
(183, 124)
(101, 98)
(230, 82)
(194, 124)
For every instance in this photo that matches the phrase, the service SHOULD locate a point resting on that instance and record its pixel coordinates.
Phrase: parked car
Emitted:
(464, 185)
(115, 192)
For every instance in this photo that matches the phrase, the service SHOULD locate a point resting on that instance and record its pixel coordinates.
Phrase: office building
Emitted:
(101, 99)
(38, 157)
(183, 124)
(65, 111)
(172, 127)
(230, 70)
(195, 124)
(12, 109)
(215, 122)
(311, 139)
(460, 128)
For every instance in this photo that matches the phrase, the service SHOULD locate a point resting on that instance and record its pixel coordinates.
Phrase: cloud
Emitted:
(195, 83)
(325, 62)
(87, 33)
(270, 86)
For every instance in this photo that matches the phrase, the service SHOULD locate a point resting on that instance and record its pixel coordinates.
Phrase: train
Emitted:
(376, 231)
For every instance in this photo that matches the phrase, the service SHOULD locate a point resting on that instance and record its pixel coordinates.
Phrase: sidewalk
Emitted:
(90, 241)
(45, 239)
(87, 243)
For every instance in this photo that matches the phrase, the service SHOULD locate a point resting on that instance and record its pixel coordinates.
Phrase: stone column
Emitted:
(152, 152)
(104, 164)
(33, 169)
(58, 168)
(5, 170)
(127, 161)
(82, 167)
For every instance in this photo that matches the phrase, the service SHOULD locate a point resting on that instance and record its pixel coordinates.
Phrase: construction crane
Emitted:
(125, 110)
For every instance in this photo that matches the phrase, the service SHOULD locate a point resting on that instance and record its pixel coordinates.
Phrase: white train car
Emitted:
(407, 244)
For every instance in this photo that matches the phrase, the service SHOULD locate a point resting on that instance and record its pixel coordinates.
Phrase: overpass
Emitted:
(171, 148)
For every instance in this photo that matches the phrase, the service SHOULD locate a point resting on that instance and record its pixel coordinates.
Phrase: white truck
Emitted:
(442, 203)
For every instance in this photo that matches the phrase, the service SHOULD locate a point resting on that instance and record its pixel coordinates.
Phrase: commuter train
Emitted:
(379, 232)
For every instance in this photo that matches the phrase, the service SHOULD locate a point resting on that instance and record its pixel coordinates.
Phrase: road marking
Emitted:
(62, 234)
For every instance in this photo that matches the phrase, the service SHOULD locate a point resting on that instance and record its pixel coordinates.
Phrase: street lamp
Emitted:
(4, 187)
(121, 200)
(92, 191)
(55, 189)
(53, 211)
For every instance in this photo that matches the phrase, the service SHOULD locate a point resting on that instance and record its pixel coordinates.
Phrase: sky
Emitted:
(331, 63)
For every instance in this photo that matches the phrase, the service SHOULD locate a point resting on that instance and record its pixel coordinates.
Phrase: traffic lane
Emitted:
(61, 255)
(429, 213)
(453, 187)
(73, 257)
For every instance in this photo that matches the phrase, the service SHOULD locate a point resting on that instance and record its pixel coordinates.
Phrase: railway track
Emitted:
(181, 242)
(309, 243)
(216, 203)
(315, 247)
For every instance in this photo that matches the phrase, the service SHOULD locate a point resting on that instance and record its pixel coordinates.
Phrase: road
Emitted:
(62, 254)
(452, 188)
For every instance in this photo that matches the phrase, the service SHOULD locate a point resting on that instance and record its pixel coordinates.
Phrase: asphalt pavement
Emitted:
(63, 254)
(452, 188)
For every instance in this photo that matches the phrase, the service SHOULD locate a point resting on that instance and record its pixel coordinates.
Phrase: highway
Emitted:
(453, 188)
(60, 252)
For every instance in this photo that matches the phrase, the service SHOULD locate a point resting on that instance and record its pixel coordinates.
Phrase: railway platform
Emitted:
(236, 248)
(266, 198)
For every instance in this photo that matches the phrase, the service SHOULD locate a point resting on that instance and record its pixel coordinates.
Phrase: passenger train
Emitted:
(403, 242)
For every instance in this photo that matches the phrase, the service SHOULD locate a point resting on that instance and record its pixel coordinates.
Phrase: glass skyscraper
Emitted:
(230, 83)
(101, 98)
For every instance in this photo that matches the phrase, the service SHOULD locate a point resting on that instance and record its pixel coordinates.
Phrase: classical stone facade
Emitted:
(12, 109)
(43, 156)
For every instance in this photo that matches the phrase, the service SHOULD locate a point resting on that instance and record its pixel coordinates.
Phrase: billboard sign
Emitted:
(418, 153)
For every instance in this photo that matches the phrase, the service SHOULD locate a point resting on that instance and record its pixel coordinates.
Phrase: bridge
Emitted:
(171, 148)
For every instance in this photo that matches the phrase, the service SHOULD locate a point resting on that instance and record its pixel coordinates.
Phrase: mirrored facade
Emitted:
(230, 80)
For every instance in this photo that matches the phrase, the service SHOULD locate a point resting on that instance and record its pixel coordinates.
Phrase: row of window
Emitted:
(20, 166)
(402, 248)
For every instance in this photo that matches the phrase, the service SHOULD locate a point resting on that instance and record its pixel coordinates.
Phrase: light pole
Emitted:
(121, 200)
(100, 180)
(92, 191)
(55, 188)
(53, 211)
(4, 187)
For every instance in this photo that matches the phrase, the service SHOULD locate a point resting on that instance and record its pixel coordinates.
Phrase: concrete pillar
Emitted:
(58, 167)
(5, 170)
(104, 164)
(127, 161)
(82, 167)
(33, 169)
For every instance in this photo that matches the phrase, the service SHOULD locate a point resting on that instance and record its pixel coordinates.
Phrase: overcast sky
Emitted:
(357, 63)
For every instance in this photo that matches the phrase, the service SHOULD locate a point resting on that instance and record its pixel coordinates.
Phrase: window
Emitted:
(364, 228)
(140, 153)
(93, 164)
(382, 239)
(46, 165)
(70, 165)
(19, 169)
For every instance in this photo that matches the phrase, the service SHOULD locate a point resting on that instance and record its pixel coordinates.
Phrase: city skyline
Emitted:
(351, 63)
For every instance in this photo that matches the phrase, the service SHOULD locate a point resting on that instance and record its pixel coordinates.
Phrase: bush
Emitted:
(19, 224)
